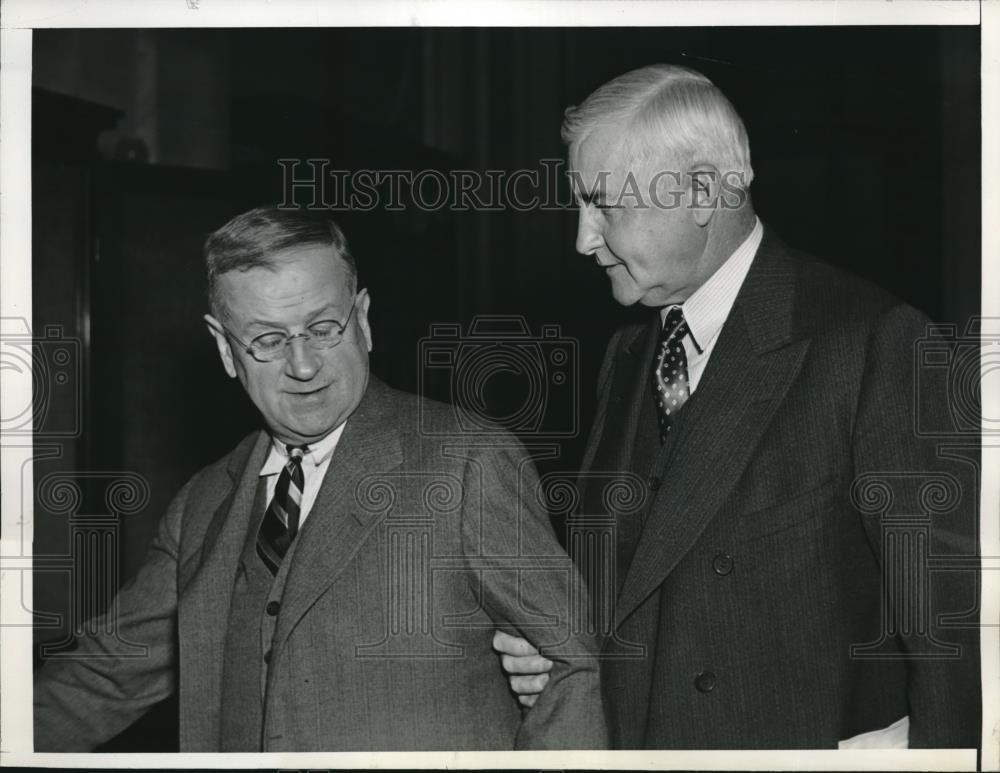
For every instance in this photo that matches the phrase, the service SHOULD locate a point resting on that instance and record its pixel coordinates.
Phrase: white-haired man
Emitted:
(764, 595)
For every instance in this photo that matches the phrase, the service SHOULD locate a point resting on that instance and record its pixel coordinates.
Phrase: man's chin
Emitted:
(626, 295)
(306, 430)
(302, 436)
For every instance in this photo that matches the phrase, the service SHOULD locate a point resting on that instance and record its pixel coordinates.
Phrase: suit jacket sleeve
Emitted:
(529, 592)
(99, 689)
(943, 692)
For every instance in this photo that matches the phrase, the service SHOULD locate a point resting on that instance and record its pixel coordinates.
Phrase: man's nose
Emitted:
(588, 231)
(301, 360)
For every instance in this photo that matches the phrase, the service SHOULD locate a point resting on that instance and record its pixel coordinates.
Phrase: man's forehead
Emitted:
(601, 161)
(289, 272)
(318, 260)
(600, 148)
(317, 253)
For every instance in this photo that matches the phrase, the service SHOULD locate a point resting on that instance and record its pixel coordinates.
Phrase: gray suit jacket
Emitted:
(416, 549)
(775, 605)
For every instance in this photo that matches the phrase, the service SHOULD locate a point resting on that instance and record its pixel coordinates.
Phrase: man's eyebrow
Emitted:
(599, 198)
(263, 323)
(596, 196)
(327, 312)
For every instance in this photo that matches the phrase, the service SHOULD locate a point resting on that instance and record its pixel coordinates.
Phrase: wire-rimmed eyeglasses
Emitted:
(324, 334)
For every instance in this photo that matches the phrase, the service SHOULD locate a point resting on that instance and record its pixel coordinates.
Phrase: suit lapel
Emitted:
(226, 532)
(338, 523)
(244, 472)
(629, 387)
(633, 384)
(207, 592)
(751, 368)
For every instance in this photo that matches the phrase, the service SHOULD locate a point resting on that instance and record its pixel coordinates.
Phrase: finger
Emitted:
(527, 700)
(529, 685)
(506, 644)
(526, 664)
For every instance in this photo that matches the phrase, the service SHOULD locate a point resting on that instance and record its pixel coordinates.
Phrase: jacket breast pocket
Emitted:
(799, 509)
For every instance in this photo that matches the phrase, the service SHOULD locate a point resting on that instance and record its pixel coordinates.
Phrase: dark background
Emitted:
(865, 143)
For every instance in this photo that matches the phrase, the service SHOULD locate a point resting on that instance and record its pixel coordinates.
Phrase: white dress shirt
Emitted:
(314, 464)
(706, 310)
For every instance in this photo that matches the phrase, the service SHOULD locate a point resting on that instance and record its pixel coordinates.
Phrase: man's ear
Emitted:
(222, 343)
(706, 185)
(364, 301)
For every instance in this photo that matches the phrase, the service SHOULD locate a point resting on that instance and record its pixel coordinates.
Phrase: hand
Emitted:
(527, 670)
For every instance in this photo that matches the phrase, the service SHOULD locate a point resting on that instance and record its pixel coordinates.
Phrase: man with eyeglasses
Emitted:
(334, 582)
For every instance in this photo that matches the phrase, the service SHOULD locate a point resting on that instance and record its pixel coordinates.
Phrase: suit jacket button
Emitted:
(272, 608)
(722, 564)
(267, 656)
(705, 681)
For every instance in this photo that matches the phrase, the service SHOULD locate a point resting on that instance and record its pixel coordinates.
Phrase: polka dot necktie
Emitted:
(281, 521)
(670, 371)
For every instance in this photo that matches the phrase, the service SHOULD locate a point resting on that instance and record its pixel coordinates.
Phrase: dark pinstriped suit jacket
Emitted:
(752, 574)
(373, 648)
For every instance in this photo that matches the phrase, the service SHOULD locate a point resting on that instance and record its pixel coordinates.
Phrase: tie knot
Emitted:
(674, 324)
(295, 453)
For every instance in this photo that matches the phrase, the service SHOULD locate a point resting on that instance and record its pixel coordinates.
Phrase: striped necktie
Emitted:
(281, 521)
(670, 371)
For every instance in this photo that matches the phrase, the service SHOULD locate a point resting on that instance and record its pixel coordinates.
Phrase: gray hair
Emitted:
(251, 239)
(667, 112)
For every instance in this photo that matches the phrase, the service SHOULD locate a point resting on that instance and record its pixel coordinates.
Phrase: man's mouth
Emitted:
(309, 392)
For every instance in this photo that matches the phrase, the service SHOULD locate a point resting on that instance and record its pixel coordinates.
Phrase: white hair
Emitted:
(666, 112)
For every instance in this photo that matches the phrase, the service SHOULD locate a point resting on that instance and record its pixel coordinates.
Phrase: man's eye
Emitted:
(268, 342)
(324, 329)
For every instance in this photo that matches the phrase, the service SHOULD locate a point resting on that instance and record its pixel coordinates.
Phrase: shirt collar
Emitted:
(317, 454)
(708, 307)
